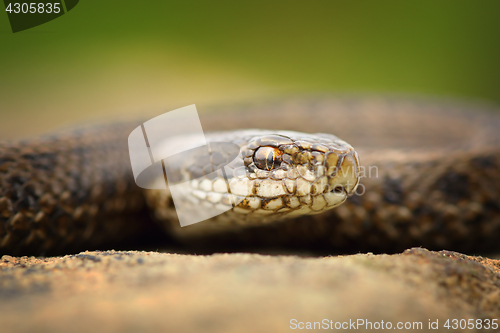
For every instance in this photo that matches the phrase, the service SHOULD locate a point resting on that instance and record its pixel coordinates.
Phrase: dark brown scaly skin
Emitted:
(67, 192)
(438, 181)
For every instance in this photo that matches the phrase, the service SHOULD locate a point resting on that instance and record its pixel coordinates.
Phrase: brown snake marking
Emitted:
(438, 183)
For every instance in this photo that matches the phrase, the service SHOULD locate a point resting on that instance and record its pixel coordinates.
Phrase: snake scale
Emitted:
(430, 176)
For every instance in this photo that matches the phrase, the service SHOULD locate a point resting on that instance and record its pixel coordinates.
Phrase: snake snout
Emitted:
(345, 176)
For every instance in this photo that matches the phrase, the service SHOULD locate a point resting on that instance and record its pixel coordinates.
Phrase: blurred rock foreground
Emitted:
(160, 292)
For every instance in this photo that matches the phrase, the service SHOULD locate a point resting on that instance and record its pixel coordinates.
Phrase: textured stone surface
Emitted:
(149, 291)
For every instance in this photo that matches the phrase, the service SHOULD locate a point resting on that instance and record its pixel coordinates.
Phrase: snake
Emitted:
(411, 172)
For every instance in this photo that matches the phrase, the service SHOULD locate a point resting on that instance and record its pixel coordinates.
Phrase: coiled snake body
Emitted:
(430, 176)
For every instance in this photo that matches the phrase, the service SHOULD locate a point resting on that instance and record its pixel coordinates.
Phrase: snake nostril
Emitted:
(338, 189)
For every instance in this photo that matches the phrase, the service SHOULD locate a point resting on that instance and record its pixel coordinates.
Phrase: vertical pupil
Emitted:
(270, 160)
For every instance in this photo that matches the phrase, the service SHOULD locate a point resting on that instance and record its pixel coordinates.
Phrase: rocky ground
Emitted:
(162, 292)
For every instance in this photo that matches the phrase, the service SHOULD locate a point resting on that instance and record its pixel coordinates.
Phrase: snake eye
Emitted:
(267, 158)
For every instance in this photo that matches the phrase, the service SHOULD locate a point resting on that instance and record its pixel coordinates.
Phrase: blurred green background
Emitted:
(121, 59)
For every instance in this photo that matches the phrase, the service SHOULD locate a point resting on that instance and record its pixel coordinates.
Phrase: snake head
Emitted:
(268, 176)
(287, 174)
